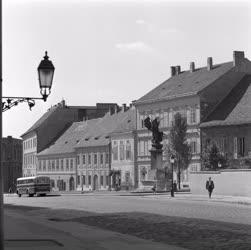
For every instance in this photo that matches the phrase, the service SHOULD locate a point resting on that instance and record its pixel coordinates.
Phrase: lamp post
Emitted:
(172, 163)
(45, 77)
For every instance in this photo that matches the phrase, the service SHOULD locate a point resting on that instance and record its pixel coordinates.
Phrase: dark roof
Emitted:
(186, 83)
(235, 109)
(90, 133)
(42, 119)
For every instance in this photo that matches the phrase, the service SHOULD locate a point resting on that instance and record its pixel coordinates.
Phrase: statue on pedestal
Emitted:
(157, 136)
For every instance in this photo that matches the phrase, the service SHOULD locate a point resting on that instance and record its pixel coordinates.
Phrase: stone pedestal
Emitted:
(157, 169)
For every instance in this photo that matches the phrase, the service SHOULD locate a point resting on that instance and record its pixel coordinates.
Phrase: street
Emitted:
(159, 220)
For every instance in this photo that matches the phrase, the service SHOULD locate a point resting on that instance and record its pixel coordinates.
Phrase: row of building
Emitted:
(110, 148)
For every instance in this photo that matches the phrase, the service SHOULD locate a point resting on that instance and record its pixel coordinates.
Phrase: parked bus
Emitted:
(39, 185)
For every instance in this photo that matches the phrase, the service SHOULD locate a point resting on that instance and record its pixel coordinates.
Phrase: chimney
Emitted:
(177, 70)
(238, 57)
(173, 71)
(192, 67)
(209, 63)
(124, 107)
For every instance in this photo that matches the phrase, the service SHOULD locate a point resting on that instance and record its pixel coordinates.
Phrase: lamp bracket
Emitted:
(9, 102)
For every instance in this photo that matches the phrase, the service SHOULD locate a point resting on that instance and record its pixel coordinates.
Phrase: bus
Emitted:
(34, 185)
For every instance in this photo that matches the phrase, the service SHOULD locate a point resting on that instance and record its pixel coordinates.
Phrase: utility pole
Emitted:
(1, 167)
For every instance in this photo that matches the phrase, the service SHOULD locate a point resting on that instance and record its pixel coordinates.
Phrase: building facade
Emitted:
(124, 154)
(229, 127)
(81, 157)
(195, 94)
(11, 162)
(51, 126)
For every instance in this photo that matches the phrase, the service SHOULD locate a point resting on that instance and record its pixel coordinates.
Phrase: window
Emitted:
(194, 168)
(121, 151)
(53, 165)
(57, 164)
(115, 151)
(49, 165)
(95, 159)
(52, 183)
(107, 180)
(83, 179)
(165, 119)
(62, 164)
(102, 180)
(128, 150)
(89, 159)
(83, 159)
(106, 158)
(101, 158)
(241, 146)
(71, 164)
(193, 116)
(222, 145)
(67, 164)
(193, 147)
(78, 160)
(78, 180)
(44, 165)
(40, 165)
(89, 180)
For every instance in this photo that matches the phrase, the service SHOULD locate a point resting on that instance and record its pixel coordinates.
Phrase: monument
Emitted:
(157, 173)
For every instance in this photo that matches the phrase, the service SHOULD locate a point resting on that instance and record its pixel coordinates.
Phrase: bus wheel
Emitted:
(19, 195)
(31, 195)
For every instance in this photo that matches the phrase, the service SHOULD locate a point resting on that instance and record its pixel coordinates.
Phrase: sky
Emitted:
(111, 51)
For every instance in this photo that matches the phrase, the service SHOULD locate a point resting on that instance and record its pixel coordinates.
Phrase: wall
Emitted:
(225, 182)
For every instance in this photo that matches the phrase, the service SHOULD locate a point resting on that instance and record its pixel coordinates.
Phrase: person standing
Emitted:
(210, 186)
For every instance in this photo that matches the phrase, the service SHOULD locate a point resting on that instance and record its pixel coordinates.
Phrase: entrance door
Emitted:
(71, 184)
(95, 182)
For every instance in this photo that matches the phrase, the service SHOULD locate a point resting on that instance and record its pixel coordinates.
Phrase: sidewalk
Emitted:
(242, 200)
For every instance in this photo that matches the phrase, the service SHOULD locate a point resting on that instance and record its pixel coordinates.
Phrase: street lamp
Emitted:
(172, 159)
(45, 77)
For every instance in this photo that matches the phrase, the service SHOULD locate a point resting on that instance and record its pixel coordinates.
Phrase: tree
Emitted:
(178, 145)
(211, 157)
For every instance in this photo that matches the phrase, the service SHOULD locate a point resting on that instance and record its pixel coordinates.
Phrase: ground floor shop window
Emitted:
(89, 180)
(101, 180)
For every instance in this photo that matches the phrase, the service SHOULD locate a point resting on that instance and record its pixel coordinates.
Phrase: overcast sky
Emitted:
(111, 51)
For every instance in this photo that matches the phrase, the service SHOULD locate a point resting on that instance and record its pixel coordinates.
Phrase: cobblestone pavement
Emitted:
(157, 204)
(97, 230)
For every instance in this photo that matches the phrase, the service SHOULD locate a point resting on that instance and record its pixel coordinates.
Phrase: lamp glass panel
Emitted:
(45, 78)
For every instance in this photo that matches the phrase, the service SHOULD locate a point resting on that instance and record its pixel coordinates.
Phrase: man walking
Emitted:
(210, 186)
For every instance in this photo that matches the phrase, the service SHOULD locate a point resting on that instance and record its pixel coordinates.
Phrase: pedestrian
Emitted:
(210, 186)
(154, 188)
(175, 186)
